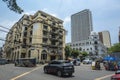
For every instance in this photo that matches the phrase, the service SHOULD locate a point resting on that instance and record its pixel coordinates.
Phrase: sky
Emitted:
(105, 14)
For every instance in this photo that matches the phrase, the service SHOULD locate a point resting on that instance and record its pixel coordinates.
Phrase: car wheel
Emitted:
(45, 70)
(70, 74)
(59, 73)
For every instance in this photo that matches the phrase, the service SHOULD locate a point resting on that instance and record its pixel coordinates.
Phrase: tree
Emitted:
(114, 48)
(12, 5)
(68, 51)
(75, 53)
(83, 55)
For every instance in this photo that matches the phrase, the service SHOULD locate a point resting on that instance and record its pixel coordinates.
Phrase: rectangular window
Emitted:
(30, 40)
(25, 34)
(45, 27)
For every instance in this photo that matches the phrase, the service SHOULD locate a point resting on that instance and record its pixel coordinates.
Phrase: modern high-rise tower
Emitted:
(104, 37)
(81, 25)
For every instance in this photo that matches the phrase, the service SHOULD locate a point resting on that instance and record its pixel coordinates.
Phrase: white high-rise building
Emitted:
(81, 25)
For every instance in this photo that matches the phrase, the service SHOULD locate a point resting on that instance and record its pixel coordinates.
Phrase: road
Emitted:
(83, 72)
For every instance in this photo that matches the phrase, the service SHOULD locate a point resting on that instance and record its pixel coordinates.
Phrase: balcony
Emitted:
(23, 50)
(54, 46)
(60, 52)
(45, 44)
(60, 46)
(60, 33)
(53, 37)
(54, 32)
(60, 40)
(25, 45)
(45, 36)
(53, 51)
(46, 30)
(26, 23)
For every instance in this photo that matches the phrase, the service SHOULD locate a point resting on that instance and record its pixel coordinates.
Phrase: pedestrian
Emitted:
(97, 65)
(74, 62)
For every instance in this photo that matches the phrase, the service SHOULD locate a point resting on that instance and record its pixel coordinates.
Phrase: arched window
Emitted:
(44, 55)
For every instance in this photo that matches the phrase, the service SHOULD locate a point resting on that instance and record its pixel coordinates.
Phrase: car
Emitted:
(3, 61)
(59, 67)
(87, 61)
(116, 76)
(76, 62)
(25, 62)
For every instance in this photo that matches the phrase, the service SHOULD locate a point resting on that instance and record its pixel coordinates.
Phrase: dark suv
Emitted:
(59, 67)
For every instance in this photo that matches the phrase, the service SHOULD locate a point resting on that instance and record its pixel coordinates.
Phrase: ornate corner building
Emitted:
(39, 36)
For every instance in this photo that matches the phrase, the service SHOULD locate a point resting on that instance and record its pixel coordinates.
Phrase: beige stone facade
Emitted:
(39, 36)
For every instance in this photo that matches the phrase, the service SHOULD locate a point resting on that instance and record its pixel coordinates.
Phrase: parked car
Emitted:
(3, 61)
(25, 62)
(59, 67)
(76, 62)
(87, 61)
(116, 76)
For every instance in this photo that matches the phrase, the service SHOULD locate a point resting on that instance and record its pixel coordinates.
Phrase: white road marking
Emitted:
(103, 77)
(25, 73)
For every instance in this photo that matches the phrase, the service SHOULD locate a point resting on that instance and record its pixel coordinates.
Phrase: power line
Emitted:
(4, 27)
(2, 39)
(3, 31)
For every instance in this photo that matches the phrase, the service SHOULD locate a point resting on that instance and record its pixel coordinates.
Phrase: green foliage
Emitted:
(84, 54)
(68, 51)
(75, 53)
(114, 48)
(12, 5)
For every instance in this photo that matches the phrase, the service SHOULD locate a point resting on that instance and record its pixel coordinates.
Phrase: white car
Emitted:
(87, 61)
(76, 62)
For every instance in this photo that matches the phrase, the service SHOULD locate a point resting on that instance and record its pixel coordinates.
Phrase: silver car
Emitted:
(87, 61)
(76, 62)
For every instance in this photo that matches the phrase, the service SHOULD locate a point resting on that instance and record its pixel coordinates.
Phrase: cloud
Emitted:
(29, 12)
(67, 27)
(44, 9)
(49, 12)
(67, 20)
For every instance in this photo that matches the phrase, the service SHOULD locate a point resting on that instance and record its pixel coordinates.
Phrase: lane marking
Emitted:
(103, 77)
(26, 73)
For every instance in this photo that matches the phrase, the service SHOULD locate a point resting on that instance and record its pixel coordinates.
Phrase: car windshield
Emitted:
(117, 72)
(66, 62)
